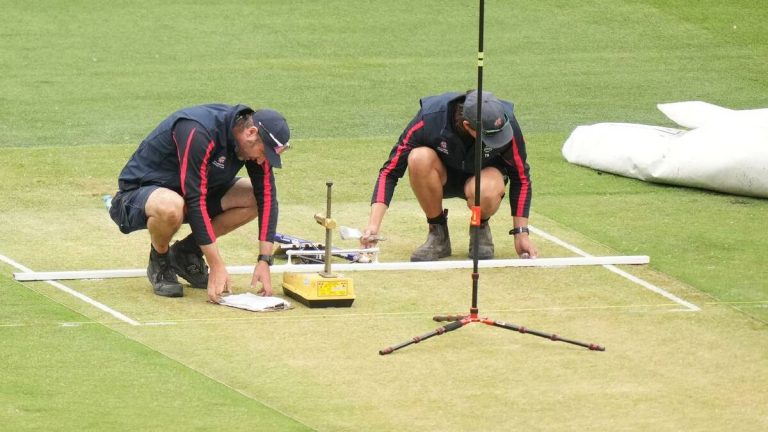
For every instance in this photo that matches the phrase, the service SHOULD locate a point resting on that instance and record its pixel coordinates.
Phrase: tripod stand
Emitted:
(457, 321)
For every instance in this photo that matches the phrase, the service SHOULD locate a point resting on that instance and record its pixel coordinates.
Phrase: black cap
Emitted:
(273, 130)
(497, 132)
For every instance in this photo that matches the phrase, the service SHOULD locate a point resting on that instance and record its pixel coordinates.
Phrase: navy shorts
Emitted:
(127, 208)
(456, 179)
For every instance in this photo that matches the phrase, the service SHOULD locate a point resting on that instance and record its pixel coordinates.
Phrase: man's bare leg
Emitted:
(239, 207)
(491, 191)
(165, 214)
(427, 175)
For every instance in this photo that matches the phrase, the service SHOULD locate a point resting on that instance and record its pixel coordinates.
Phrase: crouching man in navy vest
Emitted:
(438, 149)
(185, 171)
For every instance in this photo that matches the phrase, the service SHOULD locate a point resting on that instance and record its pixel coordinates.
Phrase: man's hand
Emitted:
(370, 237)
(525, 247)
(262, 274)
(218, 283)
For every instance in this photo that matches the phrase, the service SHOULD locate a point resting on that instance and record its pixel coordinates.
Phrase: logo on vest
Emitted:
(443, 147)
(487, 152)
(219, 163)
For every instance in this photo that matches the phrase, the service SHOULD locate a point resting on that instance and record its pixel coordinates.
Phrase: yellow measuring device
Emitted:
(324, 289)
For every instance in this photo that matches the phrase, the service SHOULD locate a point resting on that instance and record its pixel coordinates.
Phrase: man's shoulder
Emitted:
(206, 110)
(438, 103)
(214, 117)
(435, 112)
(509, 107)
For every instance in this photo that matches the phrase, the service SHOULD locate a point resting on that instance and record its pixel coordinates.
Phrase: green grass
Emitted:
(64, 371)
(82, 82)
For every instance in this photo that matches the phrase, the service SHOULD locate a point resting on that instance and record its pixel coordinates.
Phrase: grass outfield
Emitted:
(83, 82)
(64, 371)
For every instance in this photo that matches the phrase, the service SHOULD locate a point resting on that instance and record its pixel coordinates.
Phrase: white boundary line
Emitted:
(690, 307)
(428, 265)
(74, 293)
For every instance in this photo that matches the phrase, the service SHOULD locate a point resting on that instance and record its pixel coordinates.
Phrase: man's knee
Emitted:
(167, 206)
(172, 215)
(491, 189)
(492, 195)
(424, 164)
(423, 159)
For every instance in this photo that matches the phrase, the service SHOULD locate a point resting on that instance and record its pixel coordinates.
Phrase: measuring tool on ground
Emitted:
(323, 289)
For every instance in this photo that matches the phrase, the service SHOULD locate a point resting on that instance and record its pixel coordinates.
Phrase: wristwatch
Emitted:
(266, 258)
(518, 230)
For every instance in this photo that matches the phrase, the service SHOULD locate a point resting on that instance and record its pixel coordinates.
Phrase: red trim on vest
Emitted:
(381, 191)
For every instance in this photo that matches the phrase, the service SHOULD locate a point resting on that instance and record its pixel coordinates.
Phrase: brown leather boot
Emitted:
(484, 242)
(162, 277)
(438, 244)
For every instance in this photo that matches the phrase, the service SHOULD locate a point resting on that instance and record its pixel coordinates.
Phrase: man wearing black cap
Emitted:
(438, 148)
(186, 171)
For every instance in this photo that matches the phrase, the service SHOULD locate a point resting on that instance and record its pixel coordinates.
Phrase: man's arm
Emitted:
(518, 172)
(369, 238)
(219, 281)
(523, 244)
(194, 149)
(520, 192)
(265, 192)
(389, 174)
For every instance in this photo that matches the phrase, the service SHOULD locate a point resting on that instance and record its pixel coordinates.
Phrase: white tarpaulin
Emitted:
(722, 149)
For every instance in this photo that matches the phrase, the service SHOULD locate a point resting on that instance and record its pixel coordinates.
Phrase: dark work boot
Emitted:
(438, 244)
(485, 242)
(187, 260)
(162, 277)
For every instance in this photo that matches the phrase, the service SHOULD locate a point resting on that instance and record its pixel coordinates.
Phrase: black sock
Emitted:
(438, 220)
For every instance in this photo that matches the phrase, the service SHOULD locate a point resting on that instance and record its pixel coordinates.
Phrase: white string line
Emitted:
(284, 319)
(74, 293)
(689, 306)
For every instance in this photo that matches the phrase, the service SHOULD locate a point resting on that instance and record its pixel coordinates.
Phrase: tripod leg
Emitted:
(550, 336)
(441, 318)
(436, 332)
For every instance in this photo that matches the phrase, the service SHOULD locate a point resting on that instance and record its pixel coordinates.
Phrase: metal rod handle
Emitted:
(328, 233)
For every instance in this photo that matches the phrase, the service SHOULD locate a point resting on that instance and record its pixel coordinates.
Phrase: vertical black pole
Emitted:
(458, 321)
(476, 214)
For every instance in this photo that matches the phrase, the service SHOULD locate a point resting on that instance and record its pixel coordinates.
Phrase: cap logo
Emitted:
(274, 139)
(499, 121)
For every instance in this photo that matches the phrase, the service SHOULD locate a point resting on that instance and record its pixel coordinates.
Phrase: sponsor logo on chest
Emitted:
(220, 161)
